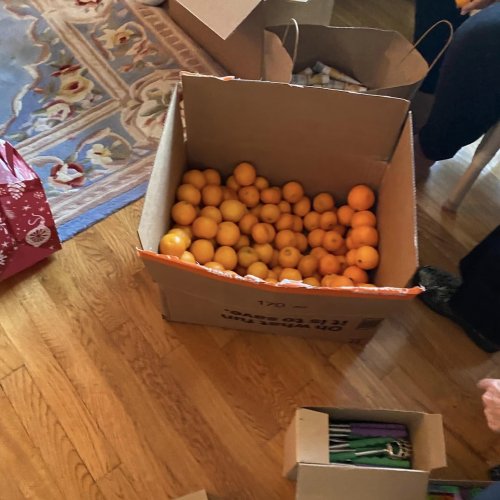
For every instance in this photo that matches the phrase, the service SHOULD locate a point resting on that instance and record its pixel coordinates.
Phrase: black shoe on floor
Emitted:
(440, 287)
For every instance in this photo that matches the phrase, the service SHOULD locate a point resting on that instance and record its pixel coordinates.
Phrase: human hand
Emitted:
(491, 402)
(475, 5)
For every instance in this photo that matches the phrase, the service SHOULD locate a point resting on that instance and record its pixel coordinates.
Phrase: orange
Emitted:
(194, 177)
(212, 195)
(187, 192)
(284, 222)
(328, 220)
(232, 183)
(183, 213)
(274, 260)
(302, 207)
(315, 237)
(249, 195)
(367, 258)
(335, 280)
(271, 232)
(339, 228)
(172, 244)
(258, 269)
(247, 256)
(349, 243)
(243, 241)
(289, 257)
(227, 257)
(302, 242)
(323, 202)
(366, 285)
(364, 218)
(364, 235)
(328, 264)
(232, 210)
(215, 265)
(185, 229)
(277, 270)
(312, 221)
(228, 233)
(212, 176)
(332, 241)
(350, 257)
(343, 262)
(245, 174)
(356, 274)
(261, 183)
(344, 215)
(289, 273)
(229, 194)
(270, 213)
(308, 265)
(256, 210)
(270, 195)
(264, 251)
(203, 251)
(204, 227)
(298, 225)
(342, 250)
(271, 280)
(241, 270)
(285, 207)
(188, 257)
(247, 222)
(312, 281)
(212, 213)
(318, 252)
(293, 191)
(271, 275)
(261, 233)
(183, 234)
(285, 238)
(361, 197)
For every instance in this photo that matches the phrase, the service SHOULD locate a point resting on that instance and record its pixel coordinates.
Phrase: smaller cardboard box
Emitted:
(233, 31)
(306, 457)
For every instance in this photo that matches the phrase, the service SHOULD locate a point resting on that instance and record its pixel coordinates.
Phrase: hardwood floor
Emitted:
(102, 399)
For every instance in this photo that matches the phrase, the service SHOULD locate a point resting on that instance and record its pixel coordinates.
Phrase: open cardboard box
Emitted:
(306, 457)
(328, 140)
(233, 31)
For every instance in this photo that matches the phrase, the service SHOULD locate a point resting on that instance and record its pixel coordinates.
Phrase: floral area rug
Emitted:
(84, 87)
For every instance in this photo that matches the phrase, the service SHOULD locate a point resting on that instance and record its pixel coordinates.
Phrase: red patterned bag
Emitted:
(27, 230)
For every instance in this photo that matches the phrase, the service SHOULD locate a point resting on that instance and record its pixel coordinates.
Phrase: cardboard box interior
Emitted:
(284, 131)
(306, 456)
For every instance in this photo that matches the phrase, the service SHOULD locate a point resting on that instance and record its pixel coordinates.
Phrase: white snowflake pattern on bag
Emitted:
(3, 192)
(39, 195)
(16, 189)
(3, 258)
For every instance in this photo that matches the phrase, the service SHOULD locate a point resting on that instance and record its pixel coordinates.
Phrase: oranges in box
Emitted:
(273, 233)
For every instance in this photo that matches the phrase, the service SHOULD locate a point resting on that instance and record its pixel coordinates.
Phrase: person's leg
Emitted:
(427, 13)
(473, 301)
(468, 93)
(490, 493)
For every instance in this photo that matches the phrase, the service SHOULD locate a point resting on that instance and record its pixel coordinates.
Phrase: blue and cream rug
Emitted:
(84, 87)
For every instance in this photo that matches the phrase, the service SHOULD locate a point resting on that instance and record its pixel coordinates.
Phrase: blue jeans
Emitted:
(467, 97)
(491, 493)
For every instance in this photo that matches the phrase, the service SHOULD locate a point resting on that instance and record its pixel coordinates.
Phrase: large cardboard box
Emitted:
(232, 31)
(306, 457)
(329, 140)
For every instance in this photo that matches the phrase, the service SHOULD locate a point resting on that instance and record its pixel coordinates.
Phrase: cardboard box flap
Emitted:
(198, 495)
(324, 482)
(377, 58)
(398, 218)
(429, 436)
(356, 125)
(155, 217)
(221, 16)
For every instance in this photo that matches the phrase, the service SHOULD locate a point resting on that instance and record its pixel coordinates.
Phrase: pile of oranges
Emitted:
(274, 233)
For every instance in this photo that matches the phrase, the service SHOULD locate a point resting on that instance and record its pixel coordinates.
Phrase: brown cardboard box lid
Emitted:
(323, 482)
(221, 16)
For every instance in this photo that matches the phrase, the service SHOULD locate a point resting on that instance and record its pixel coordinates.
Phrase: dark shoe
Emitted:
(440, 287)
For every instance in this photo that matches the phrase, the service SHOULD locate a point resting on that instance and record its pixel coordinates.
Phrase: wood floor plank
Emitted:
(116, 486)
(48, 436)
(59, 393)
(10, 359)
(21, 461)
